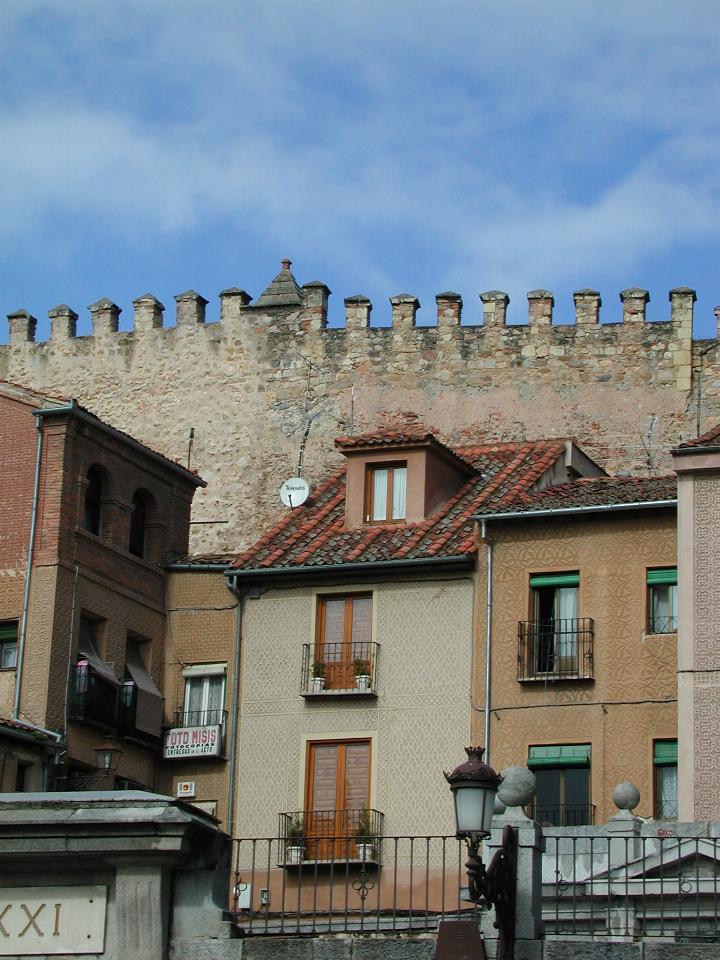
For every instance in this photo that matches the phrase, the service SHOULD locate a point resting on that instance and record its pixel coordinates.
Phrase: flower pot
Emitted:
(362, 681)
(365, 850)
(294, 853)
(318, 684)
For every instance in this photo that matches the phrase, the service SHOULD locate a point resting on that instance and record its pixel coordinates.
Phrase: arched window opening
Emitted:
(138, 525)
(92, 517)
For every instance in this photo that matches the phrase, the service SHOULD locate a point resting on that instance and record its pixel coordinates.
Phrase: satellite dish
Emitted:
(294, 492)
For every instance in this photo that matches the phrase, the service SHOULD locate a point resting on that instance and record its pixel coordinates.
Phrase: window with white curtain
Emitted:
(386, 493)
(204, 699)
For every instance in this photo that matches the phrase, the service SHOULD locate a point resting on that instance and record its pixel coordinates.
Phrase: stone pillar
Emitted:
(142, 898)
(634, 301)
(63, 322)
(22, 326)
(148, 312)
(625, 846)
(516, 791)
(190, 309)
(404, 309)
(681, 316)
(316, 295)
(540, 307)
(495, 304)
(449, 309)
(357, 312)
(587, 307)
(105, 317)
(232, 303)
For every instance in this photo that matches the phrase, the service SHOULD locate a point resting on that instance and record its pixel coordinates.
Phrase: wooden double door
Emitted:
(338, 790)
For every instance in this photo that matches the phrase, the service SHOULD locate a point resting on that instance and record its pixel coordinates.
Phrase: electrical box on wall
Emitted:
(185, 789)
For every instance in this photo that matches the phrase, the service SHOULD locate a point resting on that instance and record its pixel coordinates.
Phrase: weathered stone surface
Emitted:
(591, 950)
(386, 948)
(680, 951)
(278, 948)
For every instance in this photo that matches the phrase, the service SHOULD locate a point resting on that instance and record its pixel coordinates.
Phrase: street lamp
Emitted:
(107, 757)
(474, 785)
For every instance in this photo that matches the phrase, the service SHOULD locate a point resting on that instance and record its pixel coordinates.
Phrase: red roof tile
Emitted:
(315, 534)
(589, 492)
(709, 439)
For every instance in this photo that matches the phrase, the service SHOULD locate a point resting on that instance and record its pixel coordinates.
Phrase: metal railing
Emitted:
(600, 887)
(127, 713)
(555, 649)
(324, 835)
(662, 624)
(418, 884)
(562, 814)
(200, 718)
(93, 699)
(345, 668)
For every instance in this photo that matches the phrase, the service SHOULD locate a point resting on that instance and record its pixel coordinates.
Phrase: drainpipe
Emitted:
(235, 707)
(488, 634)
(28, 573)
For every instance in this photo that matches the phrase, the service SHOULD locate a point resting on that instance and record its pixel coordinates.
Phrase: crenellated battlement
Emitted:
(250, 377)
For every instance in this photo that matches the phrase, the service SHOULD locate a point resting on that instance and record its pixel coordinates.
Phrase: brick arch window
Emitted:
(143, 505)
(95, 492)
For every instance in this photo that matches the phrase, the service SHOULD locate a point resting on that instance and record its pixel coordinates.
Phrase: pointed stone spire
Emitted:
(283, 291)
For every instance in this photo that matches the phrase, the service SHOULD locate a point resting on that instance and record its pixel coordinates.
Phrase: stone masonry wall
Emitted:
(254, 384)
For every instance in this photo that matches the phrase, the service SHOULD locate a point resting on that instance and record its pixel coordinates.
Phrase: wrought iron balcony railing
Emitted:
(330, 835)
(659, 624)
(339, 668)
(555, 649)
(562, 814)
(127, 713)
(200, 718)
(93, 699)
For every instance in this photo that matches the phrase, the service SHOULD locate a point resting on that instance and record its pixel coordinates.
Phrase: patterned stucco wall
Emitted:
(706, 651)
(418, 725)
(632, 699)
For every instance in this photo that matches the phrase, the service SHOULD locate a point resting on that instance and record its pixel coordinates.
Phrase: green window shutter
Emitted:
(665, 753)
(8, 631)
(555, 580)
(571, 755)
(667, 575)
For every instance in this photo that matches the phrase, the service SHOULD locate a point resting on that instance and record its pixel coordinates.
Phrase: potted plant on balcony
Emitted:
(317, 680)
(364, 838)
(295, 839)
(362, 677)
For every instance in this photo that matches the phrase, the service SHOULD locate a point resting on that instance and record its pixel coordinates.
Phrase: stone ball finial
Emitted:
(626, 796)
(517, 787)
(499, 806)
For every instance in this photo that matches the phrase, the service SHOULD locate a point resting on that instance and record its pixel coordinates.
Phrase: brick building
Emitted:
(90, 517)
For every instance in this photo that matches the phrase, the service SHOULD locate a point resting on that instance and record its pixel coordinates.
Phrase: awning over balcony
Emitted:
(149, 709)
(87, 651)
(570, 755)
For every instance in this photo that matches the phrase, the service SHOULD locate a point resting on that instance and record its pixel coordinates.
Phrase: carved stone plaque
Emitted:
(37, 921)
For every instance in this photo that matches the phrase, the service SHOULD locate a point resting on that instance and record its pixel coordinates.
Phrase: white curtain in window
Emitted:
(668, 792)
(379, 502)
(566, 611)
(399, 492)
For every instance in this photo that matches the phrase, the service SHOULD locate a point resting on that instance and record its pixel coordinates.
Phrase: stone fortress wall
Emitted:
(269, 381)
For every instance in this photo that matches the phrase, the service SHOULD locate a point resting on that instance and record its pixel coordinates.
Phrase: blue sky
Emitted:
(404, 146)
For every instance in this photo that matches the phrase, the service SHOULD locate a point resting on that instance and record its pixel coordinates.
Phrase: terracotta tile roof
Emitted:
(590, 492)
(315, 535)
(709, 439)
(382, 439)
(21, 727)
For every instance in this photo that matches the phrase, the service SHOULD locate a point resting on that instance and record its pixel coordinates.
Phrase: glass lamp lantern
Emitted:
(474, 785)
(107, 757)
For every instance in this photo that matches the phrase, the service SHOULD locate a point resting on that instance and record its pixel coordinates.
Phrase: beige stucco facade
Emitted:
(631, 699)
(417, 724)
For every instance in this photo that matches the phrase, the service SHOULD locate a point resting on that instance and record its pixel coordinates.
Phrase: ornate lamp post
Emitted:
(474, 785)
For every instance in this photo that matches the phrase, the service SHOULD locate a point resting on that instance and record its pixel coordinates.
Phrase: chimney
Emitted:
(495, 304)
(105, 317)
(357, 312)
(449, 309)
(22, 326)
(404, 308)
(63, 322)
(540, 307)
(634, 301)
(190, 308)
(587, 307)
(148, 312)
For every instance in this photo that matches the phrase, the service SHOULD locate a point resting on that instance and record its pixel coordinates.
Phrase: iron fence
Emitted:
(562, 814)
(555, 649)
(601, 887)
(339, 668)
(93, 699)
(410, 885)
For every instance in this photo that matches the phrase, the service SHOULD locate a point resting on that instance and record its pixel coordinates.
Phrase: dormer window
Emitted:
(386, 492)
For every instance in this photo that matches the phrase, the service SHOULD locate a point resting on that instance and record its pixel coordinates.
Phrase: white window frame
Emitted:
(204, 672)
